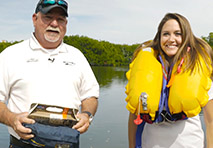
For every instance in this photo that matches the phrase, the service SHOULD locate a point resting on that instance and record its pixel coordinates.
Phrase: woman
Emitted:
(169, 83)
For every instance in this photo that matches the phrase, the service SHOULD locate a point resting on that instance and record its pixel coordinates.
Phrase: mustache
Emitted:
(49, 28)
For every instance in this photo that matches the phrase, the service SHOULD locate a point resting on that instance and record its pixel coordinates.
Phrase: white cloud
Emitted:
(117, 21)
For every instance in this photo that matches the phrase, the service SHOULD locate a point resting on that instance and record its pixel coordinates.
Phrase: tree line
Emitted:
(209, 39)
(98, 53)
(102, 53)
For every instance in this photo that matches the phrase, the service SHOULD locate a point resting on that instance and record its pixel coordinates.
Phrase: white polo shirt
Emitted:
(30, 74)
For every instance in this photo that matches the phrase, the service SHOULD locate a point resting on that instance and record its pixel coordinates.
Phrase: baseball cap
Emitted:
(44, 6)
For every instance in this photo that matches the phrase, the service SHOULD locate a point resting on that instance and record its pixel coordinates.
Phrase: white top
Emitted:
(181, 134)
(31, 74)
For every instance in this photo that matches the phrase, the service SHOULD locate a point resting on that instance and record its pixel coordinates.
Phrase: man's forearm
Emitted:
(90, 105)
(5, 114)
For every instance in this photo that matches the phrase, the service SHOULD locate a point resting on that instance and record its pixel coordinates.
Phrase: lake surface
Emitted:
(109, 127)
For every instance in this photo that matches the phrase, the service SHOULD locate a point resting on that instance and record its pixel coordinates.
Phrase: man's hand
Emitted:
(83, 124)
(89, 104)
(16, 121)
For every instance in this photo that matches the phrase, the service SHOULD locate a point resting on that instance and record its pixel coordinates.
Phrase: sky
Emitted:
(115, 21)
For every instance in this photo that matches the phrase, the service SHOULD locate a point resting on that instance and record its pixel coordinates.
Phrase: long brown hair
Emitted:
(197, 45)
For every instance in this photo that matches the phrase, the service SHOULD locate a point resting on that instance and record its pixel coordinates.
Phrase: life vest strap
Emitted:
(165, 116)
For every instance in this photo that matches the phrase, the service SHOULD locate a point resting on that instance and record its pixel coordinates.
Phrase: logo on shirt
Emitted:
(32, 60)
(51, 60)
(68, 63)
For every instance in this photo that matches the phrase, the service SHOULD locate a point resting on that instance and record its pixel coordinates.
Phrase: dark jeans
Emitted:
(14, 146)
(15, 143)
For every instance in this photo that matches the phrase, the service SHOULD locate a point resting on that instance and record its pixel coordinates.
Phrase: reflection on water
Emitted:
(109, 128)
(106, 75)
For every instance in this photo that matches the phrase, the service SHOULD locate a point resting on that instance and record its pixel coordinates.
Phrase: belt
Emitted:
(19, 143)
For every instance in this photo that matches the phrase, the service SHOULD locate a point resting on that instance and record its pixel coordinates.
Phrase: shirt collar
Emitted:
(34, 44)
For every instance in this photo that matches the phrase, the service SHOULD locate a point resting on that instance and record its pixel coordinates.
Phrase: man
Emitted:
(45, 70)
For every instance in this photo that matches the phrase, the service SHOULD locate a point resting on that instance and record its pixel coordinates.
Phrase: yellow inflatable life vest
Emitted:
(188, 92)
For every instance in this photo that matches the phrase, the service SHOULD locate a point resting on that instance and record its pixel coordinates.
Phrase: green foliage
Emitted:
(102, 53)
(98, 53)
(4, 45)
(209, 39)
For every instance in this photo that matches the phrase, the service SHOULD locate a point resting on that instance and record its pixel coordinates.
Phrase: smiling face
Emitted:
(50, 28)
(170, 38)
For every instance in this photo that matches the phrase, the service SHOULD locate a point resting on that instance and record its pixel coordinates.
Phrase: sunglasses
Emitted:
(53, 2)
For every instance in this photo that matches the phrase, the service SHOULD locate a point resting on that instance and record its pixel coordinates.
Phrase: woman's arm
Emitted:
(132, 128)
(208, 117)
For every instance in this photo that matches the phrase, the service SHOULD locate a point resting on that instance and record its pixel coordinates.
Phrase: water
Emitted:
(4, 136)
(109, 127)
